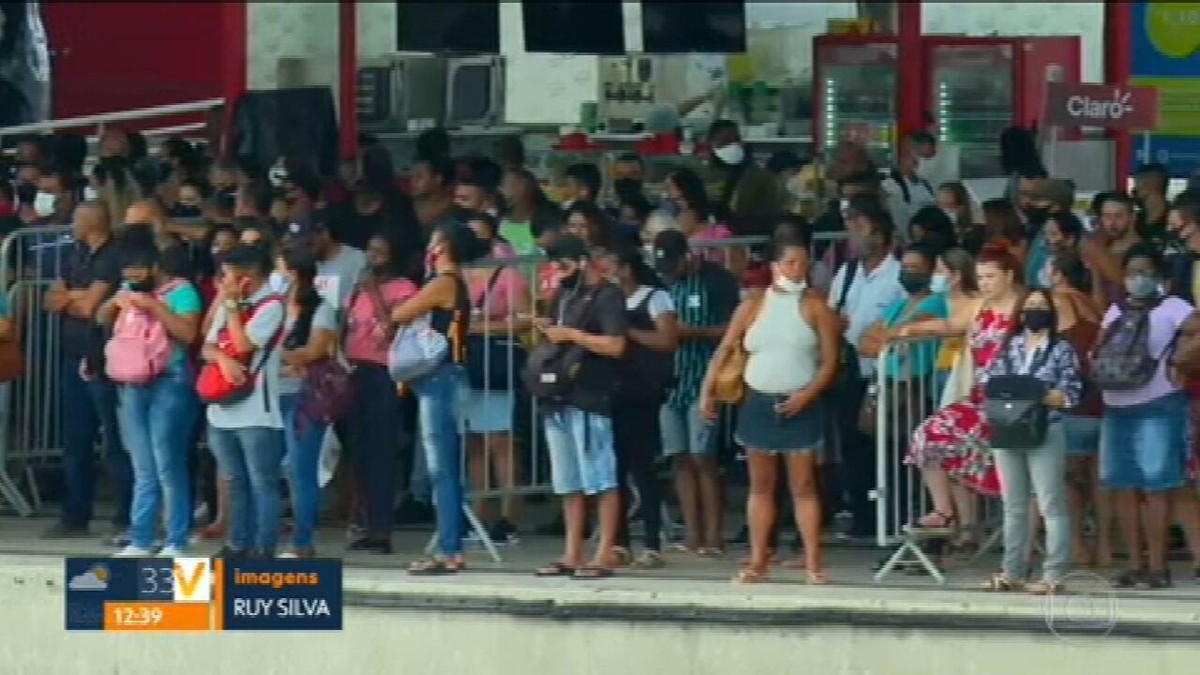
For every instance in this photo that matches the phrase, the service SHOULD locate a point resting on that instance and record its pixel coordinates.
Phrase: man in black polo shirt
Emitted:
(89, 398)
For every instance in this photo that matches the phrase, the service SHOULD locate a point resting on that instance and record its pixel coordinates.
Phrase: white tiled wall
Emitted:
(276, 30)
(1085, 19)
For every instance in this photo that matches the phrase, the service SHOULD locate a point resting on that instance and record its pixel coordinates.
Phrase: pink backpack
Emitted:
(140, 348)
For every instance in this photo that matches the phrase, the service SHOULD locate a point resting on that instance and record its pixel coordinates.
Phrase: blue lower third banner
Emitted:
(282, 595)
(199, 594)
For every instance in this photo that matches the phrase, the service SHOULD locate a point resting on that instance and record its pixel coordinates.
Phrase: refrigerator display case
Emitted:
(857, 93)
(978, 87)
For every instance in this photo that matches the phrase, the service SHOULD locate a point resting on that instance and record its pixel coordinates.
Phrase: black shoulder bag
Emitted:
(1014, 405)
(848, 373)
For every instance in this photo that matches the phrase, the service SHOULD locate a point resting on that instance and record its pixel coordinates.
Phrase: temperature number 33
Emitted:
(157, 581)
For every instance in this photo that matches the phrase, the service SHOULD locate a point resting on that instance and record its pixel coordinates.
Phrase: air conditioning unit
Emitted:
(391, 92)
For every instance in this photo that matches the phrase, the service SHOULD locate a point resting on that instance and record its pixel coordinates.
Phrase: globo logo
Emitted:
(1174, 28)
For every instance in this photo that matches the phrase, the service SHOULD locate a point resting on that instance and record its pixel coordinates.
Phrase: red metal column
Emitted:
(234, 52)
(347, 77)
(912, 71)
(1118, 67)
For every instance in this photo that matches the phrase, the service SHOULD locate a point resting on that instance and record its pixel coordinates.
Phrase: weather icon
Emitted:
(95, 578)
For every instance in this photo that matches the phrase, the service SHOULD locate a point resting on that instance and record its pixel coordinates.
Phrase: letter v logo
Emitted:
(193, 580)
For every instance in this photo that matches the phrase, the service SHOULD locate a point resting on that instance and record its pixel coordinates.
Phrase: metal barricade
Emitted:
(907, 390)
(31, 433)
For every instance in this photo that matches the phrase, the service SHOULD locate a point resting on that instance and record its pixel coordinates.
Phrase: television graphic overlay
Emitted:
(199, 594)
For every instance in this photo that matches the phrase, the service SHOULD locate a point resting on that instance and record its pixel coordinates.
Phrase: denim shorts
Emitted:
(761, 428)
(1083, 434)
(686, 432)
(1145, 446)
(582, 457)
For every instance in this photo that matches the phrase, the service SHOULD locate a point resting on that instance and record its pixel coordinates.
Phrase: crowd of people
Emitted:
(267, 298)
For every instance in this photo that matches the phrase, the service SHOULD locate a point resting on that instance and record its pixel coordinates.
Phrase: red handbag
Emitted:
(211, 384)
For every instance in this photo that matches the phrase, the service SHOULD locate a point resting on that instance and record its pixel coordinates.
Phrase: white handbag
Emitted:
(962, 377)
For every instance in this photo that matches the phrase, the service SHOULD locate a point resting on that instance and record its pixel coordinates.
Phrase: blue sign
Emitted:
(282, 595)
(1180, 155)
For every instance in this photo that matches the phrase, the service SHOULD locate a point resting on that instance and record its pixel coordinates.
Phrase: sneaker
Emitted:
(298, 553)
(369, 545)
(171, 551)
(132, 551)
(119, 540)
(503, 532)
(231, 553)
(62, 531)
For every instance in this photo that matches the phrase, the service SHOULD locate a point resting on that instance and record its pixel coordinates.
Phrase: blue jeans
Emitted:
(90, 407)
(156, 426)
(1042, 472)
(303, 443)
(1145, 446)
(437, 404)
(250, 460)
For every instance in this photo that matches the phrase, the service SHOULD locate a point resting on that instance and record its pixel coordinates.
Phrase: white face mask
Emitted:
(785, 284)
(44, 203)
(277, 175)
(278, 282)
(731, 154)
(90, 193)
(940, 283)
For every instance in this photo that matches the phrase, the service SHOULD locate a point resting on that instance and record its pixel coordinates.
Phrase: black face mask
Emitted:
(571, 281)
(180, 211)
(142, 286)
(915, 282)
(1038, 319)
(1036, 217)
(26, 194)
(627, 187)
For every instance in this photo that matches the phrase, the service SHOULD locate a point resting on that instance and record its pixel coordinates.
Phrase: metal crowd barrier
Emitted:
(31, 436)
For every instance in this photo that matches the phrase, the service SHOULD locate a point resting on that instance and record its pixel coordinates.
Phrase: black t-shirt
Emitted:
(604, 315)
(84, 338)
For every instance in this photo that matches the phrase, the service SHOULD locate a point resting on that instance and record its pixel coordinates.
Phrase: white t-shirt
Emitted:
(261, 407)
(660, 301)
(904, 198)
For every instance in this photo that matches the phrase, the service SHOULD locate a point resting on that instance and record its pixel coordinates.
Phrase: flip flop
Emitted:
(588, 573)
(555, 569)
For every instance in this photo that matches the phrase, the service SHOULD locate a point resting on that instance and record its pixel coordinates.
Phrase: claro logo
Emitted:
(1085, 107)
(1111, 106)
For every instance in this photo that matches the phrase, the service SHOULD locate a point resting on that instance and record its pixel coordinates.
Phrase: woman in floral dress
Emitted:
(951, 446)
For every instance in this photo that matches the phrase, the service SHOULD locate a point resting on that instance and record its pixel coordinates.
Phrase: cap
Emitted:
(1057, 190)
(306, 227)
(670, 246)
(569, 247)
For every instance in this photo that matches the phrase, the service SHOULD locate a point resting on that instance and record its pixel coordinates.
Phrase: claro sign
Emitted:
(1102, 105)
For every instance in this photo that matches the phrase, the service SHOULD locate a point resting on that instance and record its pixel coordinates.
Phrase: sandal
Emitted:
(684, 548)
(750, 575)
(1000, 584)
(1044, 588)
(554, 569)
(794, 563)
(430, 567)
(590, 572)
(712, 552)
(620, 556)
(934, 522)
(1127, 579)
(649, 560)
(817, 578)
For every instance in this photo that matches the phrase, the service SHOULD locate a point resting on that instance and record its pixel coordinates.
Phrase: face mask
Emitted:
(278, 282)
(1037, 320)
(142, 286)
(627, 187)
(785, 284)
(1141, 287)
(940, 283)
(90, 193)
(26, 193)
(277, 176)
(731, 154)
(44, 203)
(571, 280)
(915, 282)
(1036, 216)
(951, 214)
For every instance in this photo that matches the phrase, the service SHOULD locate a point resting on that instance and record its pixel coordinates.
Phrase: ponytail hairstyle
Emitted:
(303, 265)
(643, 274)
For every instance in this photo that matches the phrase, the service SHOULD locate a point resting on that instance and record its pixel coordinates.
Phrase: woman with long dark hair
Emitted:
(647, 369)
(309, 329)
(446, 300)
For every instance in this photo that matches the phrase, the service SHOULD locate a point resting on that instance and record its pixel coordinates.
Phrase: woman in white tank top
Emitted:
(791, 338)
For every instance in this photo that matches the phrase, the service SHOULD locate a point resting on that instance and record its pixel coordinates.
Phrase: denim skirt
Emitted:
(760, 427)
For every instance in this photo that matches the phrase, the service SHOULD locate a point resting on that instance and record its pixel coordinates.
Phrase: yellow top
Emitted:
(949, 352)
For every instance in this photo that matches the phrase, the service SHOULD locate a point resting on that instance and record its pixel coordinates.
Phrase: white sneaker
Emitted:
(171, 552)
(132, 551)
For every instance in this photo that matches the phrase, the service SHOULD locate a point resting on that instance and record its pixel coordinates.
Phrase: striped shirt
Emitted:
(706, 297)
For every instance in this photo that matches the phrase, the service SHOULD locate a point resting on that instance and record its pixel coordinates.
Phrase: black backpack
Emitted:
(1014, 405)
(552, 370)
(645, 372)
